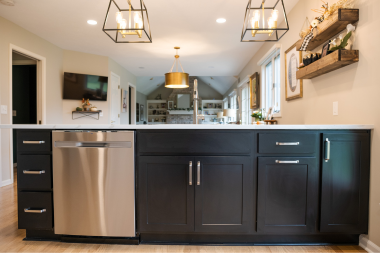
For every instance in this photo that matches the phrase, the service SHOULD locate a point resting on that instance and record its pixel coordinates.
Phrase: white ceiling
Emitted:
(147, 84)
(207, 48)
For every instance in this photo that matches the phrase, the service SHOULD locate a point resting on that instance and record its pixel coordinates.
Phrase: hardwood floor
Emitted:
(11, 239)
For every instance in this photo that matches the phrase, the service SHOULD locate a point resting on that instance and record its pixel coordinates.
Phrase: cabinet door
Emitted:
(345, 183)
(224, 194)
(165, 196)
(287, 195)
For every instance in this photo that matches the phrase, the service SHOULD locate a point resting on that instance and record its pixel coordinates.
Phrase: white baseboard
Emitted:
(368, 245)
(6, 182)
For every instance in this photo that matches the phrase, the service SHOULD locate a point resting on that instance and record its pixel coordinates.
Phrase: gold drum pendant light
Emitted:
(176, 80)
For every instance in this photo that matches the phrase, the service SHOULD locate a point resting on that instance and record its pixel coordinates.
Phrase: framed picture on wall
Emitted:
(254, 89)
(124, 94)
(293, 86)
(142, 113)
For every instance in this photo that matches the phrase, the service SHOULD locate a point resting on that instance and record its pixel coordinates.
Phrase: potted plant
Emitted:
(257, 115)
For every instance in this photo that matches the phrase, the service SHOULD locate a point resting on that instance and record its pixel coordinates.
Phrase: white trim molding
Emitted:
(269, 54)
(6, 182)
(368, 245)
(245, 81)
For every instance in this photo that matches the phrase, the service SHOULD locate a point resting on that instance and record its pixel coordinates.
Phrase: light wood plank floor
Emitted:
(11, 239)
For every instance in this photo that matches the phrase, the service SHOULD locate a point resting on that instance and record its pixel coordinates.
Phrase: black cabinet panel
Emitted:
(165, 198)
(34, 201)
(29, 141)
(34, 164)
(290, 142)
(345, 184)
(287, 195)
(224, 198)
(198, 142)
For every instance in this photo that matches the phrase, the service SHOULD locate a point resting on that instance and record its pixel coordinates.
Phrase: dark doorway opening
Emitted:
(24, 93)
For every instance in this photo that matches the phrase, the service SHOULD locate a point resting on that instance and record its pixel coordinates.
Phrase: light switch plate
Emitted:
(101, 114)
(4, 109)
(335, 108)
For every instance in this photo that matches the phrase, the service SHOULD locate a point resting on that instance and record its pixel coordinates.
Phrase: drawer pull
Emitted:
(30, 172)
(33, 142)
(199, 173)
(190, 173)
(327, 150)
(287, 143)
(27, 210)
(297, 161)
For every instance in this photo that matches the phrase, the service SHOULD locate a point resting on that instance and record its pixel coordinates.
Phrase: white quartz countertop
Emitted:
(191, 126)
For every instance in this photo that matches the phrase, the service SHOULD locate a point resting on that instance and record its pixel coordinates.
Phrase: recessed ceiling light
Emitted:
(91, 22)
(141, 67)
(221, 20)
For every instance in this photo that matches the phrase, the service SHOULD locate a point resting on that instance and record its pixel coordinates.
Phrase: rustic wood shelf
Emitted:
(331, 27)
(336, 60)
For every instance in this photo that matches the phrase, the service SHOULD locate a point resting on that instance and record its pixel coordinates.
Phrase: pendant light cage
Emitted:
(127, 21)
(177, 80)
(266, 21)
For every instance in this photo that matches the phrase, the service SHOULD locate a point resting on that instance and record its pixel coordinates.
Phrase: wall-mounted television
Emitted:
(78, 86)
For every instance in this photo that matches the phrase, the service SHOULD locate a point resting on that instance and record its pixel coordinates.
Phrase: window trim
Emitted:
(274, 52)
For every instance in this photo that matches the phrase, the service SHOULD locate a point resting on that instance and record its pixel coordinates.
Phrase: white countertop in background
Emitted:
(191, 126)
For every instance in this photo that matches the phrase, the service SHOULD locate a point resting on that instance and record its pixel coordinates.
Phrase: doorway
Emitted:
(24, 94)
(27, 92)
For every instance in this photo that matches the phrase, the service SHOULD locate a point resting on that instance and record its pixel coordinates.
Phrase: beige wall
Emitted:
(355, 87)
(58, 111)
(13, 34)
(125, 78)
(82, 63)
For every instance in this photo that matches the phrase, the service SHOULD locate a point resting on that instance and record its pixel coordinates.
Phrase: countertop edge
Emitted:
(190, 126)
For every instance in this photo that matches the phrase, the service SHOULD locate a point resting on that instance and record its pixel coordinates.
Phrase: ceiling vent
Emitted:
(8, 2)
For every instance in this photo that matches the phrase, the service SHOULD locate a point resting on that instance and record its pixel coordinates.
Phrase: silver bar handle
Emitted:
(287, 143)
(199, 173)
(33, 142)
(327, 150)
(190, 173)
(297, 161)
(27, 210)
(33, 172)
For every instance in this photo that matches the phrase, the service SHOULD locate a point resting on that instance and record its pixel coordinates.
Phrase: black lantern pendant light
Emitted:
(261, 22)
(131, 23)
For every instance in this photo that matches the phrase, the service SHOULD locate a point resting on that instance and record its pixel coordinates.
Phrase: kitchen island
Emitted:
(235, 184)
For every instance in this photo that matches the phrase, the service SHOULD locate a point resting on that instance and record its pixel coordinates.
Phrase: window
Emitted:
(225, 103)
(245, 104)
(271, 70)
(233, 102)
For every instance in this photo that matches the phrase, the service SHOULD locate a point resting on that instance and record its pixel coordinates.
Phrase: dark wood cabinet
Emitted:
(287, 195)
(224, 194)
(35, 210)
(345, 183)
(222, 189)
(165, 196)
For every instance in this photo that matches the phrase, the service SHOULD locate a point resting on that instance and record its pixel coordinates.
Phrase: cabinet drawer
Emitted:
(34, 172)
(35, 210)
(190, 142)
(288, 143)
(33, 141)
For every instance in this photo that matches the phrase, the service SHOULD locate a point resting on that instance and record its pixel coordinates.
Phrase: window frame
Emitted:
(276, 82)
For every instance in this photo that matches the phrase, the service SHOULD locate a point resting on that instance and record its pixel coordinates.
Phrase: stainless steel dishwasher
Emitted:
(94, 183)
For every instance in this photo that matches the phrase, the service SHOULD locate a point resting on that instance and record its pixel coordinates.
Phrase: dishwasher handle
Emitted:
(93, 144)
